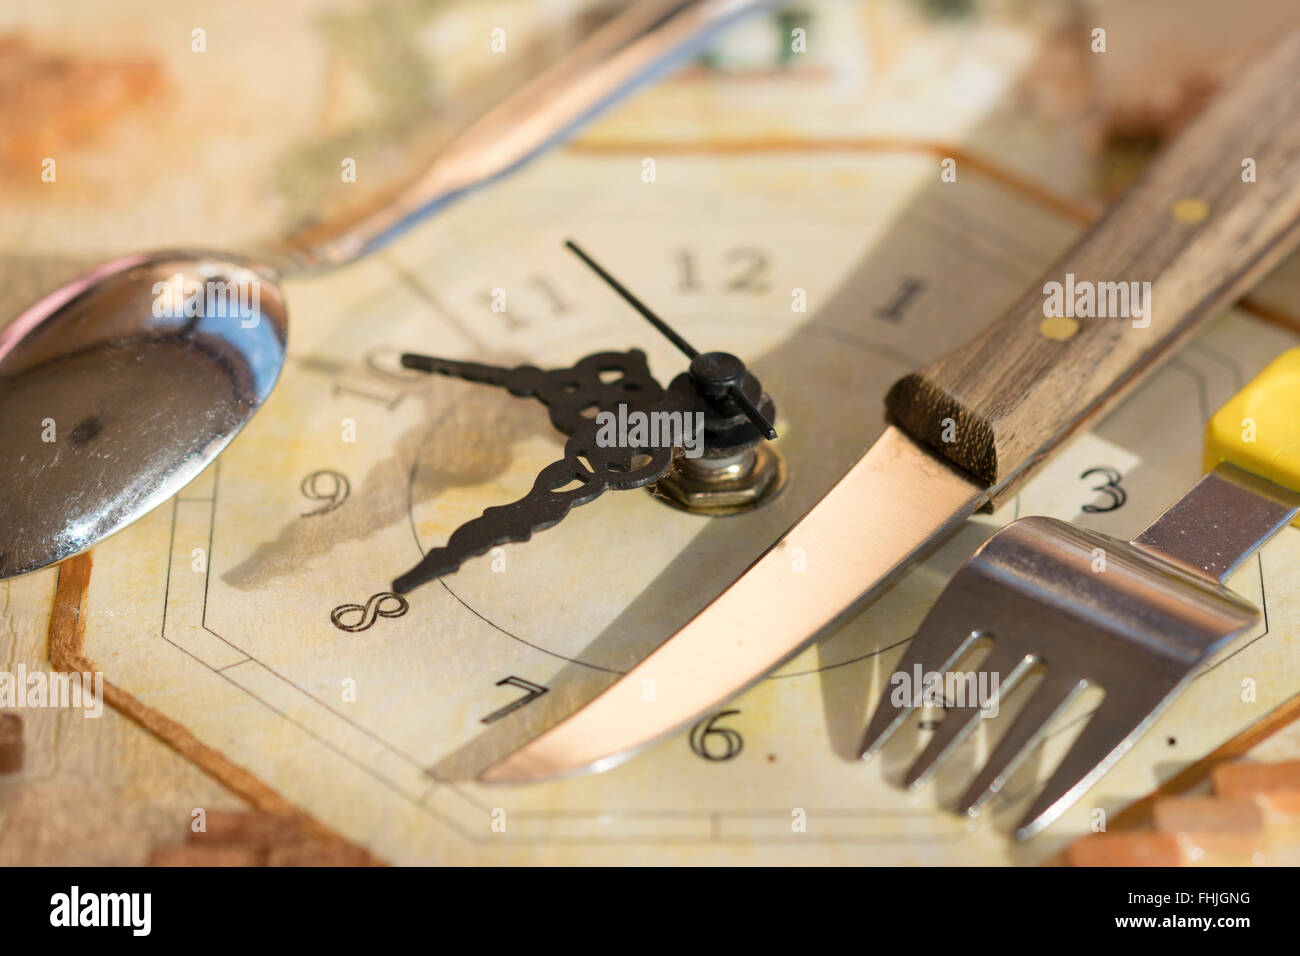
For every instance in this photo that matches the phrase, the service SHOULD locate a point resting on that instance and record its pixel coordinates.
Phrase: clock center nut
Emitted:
(738, 470)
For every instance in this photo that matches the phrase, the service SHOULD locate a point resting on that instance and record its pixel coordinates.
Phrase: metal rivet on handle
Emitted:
(1058, 327)
(1190, 211)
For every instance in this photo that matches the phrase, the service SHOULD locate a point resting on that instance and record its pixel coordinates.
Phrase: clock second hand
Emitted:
(733, 391)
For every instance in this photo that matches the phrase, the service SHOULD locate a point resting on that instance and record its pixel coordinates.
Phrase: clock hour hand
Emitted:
(522, 381)
(601, 382)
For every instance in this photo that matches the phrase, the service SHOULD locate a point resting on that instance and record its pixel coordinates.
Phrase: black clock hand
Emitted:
(588, 468)
(717, 397)
(521, 381)
(552, 496)
(568, 393)
(705, 375)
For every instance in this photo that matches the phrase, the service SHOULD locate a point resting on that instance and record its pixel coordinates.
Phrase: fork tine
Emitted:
(933, 648)
(1108, 735)
(1009, 664)
(1027, 727)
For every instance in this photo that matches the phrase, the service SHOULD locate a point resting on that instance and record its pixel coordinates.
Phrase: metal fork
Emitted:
(1135, 618)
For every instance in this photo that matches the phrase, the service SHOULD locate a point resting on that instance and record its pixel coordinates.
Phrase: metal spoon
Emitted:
(117, 389)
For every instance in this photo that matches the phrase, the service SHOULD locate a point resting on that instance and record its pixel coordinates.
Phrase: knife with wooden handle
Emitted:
(969, 427)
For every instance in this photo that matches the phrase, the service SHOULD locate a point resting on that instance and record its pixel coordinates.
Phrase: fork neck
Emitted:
(1222, 521)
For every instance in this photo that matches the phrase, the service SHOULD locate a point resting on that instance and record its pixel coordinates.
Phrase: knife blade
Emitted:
(968, 428)
(713, 658)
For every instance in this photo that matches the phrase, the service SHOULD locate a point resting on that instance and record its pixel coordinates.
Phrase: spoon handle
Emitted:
(649, 37)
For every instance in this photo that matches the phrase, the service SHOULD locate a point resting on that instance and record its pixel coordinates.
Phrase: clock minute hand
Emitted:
(971, 426)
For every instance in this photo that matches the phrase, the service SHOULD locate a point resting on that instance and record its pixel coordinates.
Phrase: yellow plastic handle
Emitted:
(1258, 430)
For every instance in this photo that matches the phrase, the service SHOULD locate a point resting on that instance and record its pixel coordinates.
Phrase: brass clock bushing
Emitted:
(723, 486)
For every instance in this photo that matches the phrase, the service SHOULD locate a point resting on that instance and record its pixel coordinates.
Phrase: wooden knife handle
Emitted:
(1192, 227)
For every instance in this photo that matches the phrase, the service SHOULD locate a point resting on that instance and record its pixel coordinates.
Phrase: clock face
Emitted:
(360, 466)
(255, 611)
(386, 462)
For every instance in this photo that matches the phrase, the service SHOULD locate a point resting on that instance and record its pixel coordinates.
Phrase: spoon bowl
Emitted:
(120, 387)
